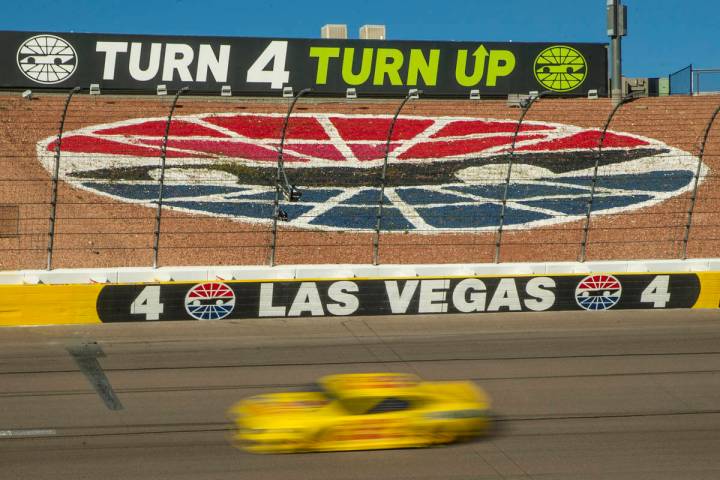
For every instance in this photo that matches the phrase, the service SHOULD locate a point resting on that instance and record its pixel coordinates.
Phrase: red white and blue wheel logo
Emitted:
(598, 292)
(210, 301)
(448, 174)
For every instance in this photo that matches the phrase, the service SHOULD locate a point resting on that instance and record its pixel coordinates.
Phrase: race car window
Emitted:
(390, 404)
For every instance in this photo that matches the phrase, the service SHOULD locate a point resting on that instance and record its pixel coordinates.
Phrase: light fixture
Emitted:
(593, 94)
(474, 94)
(288, 92)
(94, 89)
(414, 93)
(226, 91)
(162, 89)
(27, 94)
(350, 93)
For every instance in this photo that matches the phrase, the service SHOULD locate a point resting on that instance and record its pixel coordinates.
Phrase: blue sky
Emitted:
(664, 35)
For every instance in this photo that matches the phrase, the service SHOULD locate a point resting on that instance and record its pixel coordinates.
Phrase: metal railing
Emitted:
(695, 81)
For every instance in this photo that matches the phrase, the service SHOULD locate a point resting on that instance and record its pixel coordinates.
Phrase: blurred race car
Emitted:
(362, 412)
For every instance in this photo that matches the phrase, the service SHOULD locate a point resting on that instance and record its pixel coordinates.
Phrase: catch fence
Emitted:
(112, 181)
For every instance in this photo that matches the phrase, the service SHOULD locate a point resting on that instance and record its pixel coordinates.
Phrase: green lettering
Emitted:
(501, 64)
(356, 79)
(389, 61)
(474, 78)
(323, 54)
(426, 68)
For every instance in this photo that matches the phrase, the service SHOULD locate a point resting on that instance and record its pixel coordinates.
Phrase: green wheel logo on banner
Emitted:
(560, 68)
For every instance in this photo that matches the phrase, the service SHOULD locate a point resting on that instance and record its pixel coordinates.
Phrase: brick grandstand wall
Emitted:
(98, 231)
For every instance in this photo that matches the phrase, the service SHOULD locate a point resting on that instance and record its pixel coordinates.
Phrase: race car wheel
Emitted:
(443, 437)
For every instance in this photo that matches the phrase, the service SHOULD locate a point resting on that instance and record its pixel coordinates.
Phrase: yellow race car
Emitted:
(362, 412)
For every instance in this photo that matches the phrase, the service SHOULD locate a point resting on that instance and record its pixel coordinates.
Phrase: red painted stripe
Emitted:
(262, 127)
(85, 144)
(587, 139)
(469, 127)
(459, 147)
(378, 128)
(156, 128)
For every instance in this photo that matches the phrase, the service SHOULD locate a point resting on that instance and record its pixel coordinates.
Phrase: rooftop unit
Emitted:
(334, 30)
(372, 32)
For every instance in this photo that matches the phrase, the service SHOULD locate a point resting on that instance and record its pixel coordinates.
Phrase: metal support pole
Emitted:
(163, 156)
(617, 70)
(693, 198)
(593, 186)
(616, 29)
(55, 178)
(281, 182)
(383, 179)
(511, 155)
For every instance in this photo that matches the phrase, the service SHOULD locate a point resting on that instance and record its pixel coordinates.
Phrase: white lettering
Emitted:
(307, 300)
(178, 57)
(267, 309)
(399, 301)
(347, 302)
(506, 295)
(217, 65)
(433, 294)
(110, 49)
(543, 298)
(153, 64)
(475, 301)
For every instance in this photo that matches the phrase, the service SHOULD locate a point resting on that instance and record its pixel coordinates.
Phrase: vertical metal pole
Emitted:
(383, 181)
(598, 159)
(692, 81)
(163, 156)
(55, 179)
(280, 177)
(511, 155)
(616, 29)
(693, 198)
(617, 70)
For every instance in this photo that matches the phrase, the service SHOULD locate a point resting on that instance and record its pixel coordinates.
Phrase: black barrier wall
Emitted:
(266, 65)
(235, 300)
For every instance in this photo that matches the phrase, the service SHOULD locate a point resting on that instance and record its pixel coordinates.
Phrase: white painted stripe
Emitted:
(27, 433)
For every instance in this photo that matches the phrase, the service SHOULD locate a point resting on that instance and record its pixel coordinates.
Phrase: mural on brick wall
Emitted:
(444, 174)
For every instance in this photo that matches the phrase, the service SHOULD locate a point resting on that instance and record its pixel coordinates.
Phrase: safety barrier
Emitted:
(139, 295)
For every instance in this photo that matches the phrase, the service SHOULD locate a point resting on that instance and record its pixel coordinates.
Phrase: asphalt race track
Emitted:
(613, 395)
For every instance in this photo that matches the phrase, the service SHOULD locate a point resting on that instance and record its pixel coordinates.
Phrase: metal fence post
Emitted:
(163, 155)
(55, 178)
(525, 109)
(383, 178)
(693, 198)
(281, 181)
(593, 186)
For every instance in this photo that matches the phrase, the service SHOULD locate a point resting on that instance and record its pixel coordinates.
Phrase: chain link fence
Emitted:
(113, 181)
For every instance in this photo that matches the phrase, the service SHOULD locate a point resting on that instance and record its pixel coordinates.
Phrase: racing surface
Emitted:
(611, 395)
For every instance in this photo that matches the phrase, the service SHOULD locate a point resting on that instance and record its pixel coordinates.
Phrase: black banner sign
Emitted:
(265, 65)
(235, 300)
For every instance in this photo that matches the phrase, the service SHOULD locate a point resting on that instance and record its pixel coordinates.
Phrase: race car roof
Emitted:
(370, 384)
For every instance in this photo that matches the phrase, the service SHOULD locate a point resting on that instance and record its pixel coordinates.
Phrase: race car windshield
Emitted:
(388, 405)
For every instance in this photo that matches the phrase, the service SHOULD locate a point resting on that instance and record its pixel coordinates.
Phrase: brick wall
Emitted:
(96, 231)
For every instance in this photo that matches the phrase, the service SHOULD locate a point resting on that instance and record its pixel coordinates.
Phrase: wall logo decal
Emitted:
(446, 174)
(46, 59)
(598, 292)
(209, 301)
(560, 68)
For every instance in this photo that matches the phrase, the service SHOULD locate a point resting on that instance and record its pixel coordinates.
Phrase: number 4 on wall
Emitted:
(657, 292)
(275, 53)
(148, 303)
